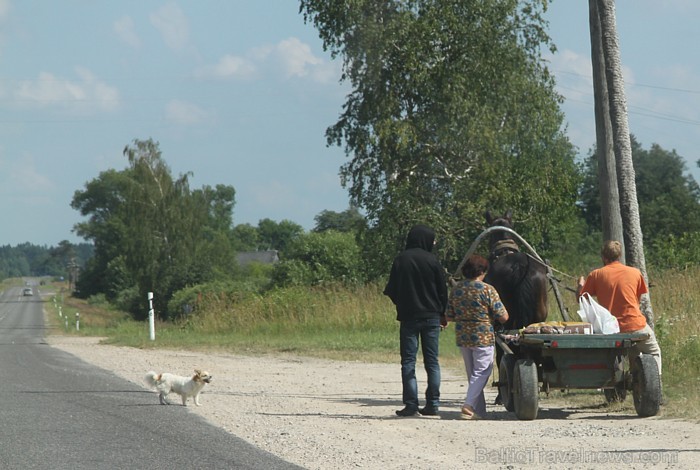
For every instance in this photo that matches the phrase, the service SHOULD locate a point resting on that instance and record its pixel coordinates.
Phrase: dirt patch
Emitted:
(324, 414)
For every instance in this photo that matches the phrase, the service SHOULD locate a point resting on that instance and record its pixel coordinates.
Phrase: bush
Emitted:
(130, 300)
(675, 251)
(99, 300)
(191, 300)
(320, 258)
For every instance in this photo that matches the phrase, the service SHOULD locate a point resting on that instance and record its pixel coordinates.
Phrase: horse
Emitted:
(521, 283)
(520, 280)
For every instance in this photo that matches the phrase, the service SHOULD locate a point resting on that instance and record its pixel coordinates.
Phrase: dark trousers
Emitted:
(427, 333)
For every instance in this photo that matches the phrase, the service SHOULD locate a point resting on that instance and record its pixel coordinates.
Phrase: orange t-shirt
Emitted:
(618, 288)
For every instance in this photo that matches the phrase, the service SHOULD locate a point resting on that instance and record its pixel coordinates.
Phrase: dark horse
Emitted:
(521, 281)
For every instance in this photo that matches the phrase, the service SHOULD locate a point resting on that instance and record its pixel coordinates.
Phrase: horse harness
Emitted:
(502, 248)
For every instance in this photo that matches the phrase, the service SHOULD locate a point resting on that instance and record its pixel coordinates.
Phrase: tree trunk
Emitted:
(607, 175)
(629, 208)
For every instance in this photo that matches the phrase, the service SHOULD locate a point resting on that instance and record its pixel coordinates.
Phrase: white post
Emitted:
(60, 312)
(77, 321)
(151, 319)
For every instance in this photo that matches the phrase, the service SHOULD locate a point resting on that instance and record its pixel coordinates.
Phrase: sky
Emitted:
(240, 92)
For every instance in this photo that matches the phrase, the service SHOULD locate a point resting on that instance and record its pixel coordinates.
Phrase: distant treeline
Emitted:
(26, 259)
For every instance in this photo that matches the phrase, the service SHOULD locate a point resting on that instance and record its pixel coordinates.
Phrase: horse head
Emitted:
(506, 220)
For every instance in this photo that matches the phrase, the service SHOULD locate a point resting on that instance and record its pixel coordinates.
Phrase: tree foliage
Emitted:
(277, 235)
(27, 259)
(268, 235)
(151, 232)
(668, 196)
(452, 112)
(320, 258)
(245, 237)
(350, 220)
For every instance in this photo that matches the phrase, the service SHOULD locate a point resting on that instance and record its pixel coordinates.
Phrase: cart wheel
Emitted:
(525, 389)
(646, 386)
(505, 381)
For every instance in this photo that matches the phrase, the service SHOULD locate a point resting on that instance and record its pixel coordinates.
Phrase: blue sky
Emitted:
(240, 92)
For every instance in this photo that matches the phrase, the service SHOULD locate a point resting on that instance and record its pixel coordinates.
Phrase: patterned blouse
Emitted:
(473, 307)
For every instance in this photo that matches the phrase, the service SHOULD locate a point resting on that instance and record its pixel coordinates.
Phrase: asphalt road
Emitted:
(58, 412)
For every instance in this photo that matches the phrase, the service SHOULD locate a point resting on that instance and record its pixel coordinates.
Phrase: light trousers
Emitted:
(478, 362)
(648, 346)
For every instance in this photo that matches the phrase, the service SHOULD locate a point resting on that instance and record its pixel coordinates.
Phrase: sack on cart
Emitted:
(602, 320)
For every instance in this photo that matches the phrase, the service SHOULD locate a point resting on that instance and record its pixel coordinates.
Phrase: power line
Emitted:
(632, 109)
(642, 85)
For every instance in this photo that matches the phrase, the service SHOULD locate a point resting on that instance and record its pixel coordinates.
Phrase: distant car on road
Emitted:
(27, 292)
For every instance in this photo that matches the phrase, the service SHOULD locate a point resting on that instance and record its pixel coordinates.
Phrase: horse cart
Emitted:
(565, 356)
(574, 361)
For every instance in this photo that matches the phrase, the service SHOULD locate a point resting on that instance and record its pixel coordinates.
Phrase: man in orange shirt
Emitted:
(618, 288)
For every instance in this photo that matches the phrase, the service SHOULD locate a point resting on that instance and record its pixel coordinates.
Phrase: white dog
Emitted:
(186, 387)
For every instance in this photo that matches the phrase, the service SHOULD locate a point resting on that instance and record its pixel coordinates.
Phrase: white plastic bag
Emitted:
(592, 312)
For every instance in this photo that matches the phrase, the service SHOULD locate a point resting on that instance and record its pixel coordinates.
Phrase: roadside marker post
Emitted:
(151, 319)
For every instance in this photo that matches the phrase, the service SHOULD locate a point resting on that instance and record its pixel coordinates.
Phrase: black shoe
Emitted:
(429, 411)
(407, 412)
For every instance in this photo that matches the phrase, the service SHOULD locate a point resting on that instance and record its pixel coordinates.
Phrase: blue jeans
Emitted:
(427, 331)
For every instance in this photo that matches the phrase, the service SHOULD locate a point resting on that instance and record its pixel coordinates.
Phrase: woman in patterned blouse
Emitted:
(474, 306)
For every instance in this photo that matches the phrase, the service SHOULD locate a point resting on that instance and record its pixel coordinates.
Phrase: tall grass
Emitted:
(335, 322)
(676, 302)
(345, 323)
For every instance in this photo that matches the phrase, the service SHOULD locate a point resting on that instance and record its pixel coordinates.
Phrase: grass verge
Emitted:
(359, 325)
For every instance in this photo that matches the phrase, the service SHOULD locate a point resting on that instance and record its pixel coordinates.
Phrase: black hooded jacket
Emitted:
(417, 283)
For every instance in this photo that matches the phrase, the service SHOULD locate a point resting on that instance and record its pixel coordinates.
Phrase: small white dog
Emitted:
(186, 387)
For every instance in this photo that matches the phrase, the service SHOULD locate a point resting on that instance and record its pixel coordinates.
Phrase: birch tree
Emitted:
(451, 112)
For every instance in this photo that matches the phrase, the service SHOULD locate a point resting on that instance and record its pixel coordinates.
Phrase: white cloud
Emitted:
(124, 27)
(182, 112)
(173, 26)
(572, 62)
(296, 57)
(289, 58)
(297, 61)
(22, 178)
(229, 66)
(573, 74)
(85, 94)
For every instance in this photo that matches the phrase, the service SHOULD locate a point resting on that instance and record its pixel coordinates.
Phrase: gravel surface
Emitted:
(323, 414)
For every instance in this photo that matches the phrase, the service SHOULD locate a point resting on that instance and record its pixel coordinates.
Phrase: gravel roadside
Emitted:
(323, 414)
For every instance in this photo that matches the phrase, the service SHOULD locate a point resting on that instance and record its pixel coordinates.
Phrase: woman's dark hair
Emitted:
(475, 266)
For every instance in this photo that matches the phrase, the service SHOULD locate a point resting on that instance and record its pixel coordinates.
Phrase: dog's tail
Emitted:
(152, 379)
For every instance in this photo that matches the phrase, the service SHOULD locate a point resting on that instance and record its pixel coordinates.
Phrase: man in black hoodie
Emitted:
(418, 289)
